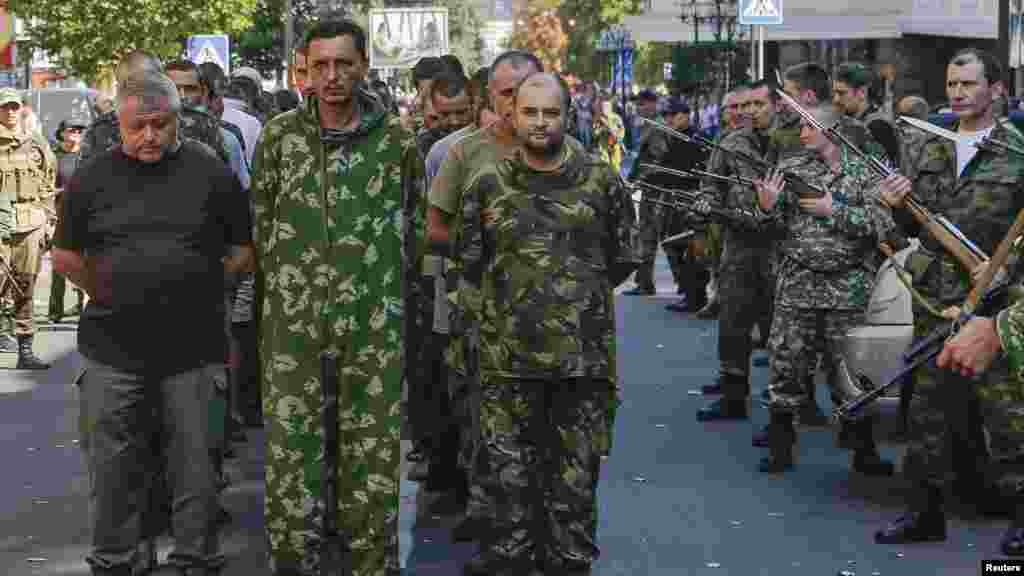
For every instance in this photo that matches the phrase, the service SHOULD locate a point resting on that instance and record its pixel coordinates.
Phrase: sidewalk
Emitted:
(44, 508)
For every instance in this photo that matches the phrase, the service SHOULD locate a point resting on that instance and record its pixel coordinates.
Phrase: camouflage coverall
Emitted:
(982, 203)
(538, 279)
(338, 287)
(826, 273)
(746, 282)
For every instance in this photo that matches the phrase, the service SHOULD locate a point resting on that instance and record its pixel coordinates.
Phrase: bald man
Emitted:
(543, 407)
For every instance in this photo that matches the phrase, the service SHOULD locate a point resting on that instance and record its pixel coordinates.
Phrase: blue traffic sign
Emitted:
(761, 12)
(214, 48)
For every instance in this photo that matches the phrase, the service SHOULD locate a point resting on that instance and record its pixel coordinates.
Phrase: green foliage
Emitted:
(541, 33)
(589, 18)
(88, 36)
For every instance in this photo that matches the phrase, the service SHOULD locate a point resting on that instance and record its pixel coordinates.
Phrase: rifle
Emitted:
(804, 189)
(334, 554)
(977, 302)
(948, 235)
(688, 199)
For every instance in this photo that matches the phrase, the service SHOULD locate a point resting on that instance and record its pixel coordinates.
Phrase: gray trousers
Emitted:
(117, 422)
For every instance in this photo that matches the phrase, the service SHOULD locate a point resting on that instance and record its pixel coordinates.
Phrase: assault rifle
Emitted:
(803, 188)
(977, 304)
(952, 239)
(335, 556)
(686, 202)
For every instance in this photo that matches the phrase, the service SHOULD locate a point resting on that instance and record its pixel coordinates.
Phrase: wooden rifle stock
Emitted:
(998, 260)
(956, 248)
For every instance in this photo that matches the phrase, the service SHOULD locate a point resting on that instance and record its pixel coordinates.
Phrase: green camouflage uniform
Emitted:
(982, 203)
(354, 294)
(786, 135)
(746, 281)
(825, 273)
(538, 283)
(104, 133)
(714, 228)
(653, 147)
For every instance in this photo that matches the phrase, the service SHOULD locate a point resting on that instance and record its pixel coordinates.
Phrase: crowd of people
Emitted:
(460, 263)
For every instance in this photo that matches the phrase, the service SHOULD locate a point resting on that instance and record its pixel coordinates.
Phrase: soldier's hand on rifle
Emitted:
(973, 348)
(951, 313)
(768, 190)
(894, 189)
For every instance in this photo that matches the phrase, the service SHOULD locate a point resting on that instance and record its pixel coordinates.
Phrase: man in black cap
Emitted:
(652, 149)
(67, 150)
(685, 257)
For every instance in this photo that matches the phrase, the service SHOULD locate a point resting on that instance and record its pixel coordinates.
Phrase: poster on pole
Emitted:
(399, 37)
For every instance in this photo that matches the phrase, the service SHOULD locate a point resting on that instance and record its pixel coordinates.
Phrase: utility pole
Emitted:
(289, 39)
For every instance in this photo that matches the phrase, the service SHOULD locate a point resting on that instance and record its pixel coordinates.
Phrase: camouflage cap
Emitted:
(9, 95)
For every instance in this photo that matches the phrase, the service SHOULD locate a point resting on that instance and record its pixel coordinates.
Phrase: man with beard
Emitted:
(746, 278)
(490, 144)
(429, 408)
(545, 239)
(982, 202)
(653, 146)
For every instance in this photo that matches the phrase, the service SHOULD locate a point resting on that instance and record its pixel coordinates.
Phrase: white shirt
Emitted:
(965, 149)
(247, 123)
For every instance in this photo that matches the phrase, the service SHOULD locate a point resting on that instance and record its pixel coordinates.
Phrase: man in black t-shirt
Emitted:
(148, 230)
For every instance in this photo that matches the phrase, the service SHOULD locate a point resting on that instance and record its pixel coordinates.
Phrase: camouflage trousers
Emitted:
(652, 228)
(943, 431)
(23, 253)
(746, 290)
(536, 471)
(798, 335)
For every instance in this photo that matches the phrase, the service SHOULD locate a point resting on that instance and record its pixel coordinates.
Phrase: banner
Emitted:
(399, 37)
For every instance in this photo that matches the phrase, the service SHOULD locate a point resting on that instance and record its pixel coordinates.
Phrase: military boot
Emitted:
(27, 359)
(1012, 543)
(8, 345)
(715, 388)
(866, 458)
(781, 438)
(710, 310)
(924, 521)
(760, 438)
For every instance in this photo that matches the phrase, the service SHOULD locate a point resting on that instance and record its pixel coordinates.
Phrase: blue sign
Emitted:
(627, 68)
(210, 48)
(761, 12)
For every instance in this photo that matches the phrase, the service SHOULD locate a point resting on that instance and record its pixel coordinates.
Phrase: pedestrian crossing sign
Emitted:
(209, 48)
(761, 12)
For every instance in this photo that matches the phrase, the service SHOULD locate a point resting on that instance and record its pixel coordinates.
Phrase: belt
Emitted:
(21, 201)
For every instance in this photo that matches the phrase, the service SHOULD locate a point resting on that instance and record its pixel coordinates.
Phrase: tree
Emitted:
(585, 20)
(538, 29)
(88, 37)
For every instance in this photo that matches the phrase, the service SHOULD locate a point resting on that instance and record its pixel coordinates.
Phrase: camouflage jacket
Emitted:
(873, 118)
(1010, 327)
(104, 133)
(929, 162)
(829, 263)
(982, 203)
(652, 148)
(539, 275)
(743, 237)
(785, 137)
(27, 174)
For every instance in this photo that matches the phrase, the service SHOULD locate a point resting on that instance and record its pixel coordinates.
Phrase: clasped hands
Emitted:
(768, 191)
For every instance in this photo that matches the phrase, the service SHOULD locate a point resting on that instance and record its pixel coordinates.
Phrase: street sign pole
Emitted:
(757, 14)
(760, 52)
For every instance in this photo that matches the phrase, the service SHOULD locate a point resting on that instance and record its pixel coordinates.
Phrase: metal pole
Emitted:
(760, 52)
(289, 34)
(753, 52)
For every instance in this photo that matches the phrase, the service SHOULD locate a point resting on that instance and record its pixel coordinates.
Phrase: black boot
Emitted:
(781, 438)
(26, 357)
(866, 458)
(715, 388)
(924, 521)
(8, 345)
(1012, 543)
(710, 310)
(723, 409)
(811, 415)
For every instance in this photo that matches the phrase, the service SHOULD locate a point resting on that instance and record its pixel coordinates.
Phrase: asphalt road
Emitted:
(677, 497)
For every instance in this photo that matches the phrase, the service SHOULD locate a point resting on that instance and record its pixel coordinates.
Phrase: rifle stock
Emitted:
(998, 260)
(953, 245)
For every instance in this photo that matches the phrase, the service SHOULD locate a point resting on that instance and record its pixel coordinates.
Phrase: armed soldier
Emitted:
(653, 148)
(746, 282)
(29, 175)
(826, 276)
(732, 119)
(982, 202)
(854, 93)
(104, 134)
(69, 142)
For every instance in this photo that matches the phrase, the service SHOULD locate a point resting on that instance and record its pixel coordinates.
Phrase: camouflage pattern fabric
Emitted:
(349, 298)
(653, 148)
(746, 282)
(982, 203)
(798, 336)
(828, 263)
(786, 143)
(537, 286)
(104, 133)
(609, 136)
